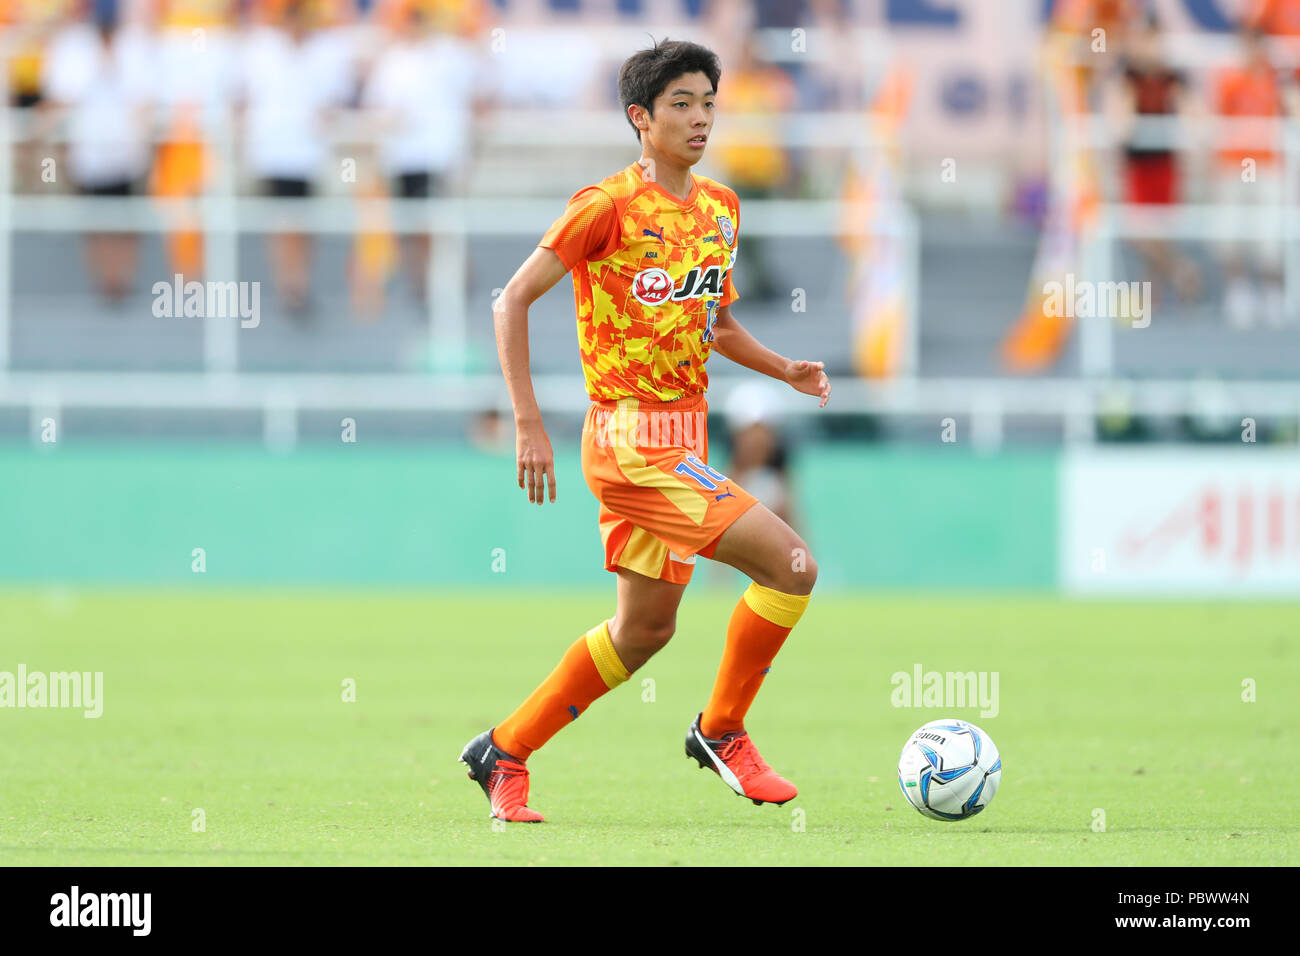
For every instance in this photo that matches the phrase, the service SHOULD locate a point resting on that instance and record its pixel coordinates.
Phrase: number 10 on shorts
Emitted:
(701, 472)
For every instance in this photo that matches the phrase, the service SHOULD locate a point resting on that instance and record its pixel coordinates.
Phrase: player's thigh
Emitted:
(762, 546)
(647, 607)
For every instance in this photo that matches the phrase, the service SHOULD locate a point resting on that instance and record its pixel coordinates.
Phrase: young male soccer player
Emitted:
(651, 250)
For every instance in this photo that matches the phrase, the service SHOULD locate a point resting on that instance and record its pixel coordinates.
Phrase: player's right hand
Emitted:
(534, 461)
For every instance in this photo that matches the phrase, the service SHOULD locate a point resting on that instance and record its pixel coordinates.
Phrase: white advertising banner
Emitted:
(1220, 521)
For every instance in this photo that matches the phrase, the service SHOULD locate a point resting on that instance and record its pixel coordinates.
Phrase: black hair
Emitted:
(647, 73)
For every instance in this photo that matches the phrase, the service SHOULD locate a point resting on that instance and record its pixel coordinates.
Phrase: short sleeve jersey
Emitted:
(1242, 92)
(650, 272)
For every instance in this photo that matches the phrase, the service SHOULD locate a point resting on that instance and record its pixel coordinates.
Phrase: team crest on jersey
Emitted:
(724, 223)
(652, 286)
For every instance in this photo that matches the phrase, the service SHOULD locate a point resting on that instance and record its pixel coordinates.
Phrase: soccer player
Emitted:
(651, 250)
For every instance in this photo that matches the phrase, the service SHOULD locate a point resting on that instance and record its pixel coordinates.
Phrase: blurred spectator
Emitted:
(839, 80)
(1093, 27)
(195, 68)
(1274, 17)
(27, 26)
(555, 67)
(760, 456)
(490, 433)
(100, 76)
(464, 18)
(1147, 88)
(1280, 19)
(423, 87)
(294, 72)
(754, 95)
(1248, 174)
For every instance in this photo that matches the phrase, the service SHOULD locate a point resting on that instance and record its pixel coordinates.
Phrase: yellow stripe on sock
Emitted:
(783, 610)
(601, 648)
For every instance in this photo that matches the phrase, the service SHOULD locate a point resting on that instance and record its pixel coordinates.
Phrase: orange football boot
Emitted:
(503, 778)
(736, 760)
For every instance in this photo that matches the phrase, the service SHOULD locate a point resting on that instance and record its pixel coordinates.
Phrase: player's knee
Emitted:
(802, 579)
(799, 574)
(657, 635)
(649, 636)
(807, 576)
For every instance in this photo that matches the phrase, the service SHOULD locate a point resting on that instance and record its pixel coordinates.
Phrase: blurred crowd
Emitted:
(1211, 135)
(126, 97)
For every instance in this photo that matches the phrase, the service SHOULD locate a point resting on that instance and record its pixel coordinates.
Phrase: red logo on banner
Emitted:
(1244, 527)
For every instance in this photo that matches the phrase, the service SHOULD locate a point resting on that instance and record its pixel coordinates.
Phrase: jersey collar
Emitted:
(677, 200)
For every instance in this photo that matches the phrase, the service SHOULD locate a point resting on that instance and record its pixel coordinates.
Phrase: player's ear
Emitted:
(640, 119)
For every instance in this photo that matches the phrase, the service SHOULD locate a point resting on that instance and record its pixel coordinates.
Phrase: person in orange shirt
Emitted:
(651, 249)
(1280, 18)
(1248, 176)
(1089, 27)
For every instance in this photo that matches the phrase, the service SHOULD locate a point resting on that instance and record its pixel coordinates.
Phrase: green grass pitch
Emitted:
(232, 704)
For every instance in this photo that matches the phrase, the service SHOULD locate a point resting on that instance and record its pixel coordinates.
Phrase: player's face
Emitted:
(683, 118)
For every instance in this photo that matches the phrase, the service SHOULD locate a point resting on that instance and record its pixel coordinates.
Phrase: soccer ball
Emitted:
(949, 769)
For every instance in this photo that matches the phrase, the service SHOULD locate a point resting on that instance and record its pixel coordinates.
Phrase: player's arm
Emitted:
(733, 341)
(534, 460)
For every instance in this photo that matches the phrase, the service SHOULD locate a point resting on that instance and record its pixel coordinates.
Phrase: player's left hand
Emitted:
(808, 377)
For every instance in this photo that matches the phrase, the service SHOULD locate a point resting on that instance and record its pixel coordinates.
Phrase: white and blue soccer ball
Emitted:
(949, 769)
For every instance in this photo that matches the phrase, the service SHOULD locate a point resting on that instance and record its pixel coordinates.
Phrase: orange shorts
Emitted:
(660, 503)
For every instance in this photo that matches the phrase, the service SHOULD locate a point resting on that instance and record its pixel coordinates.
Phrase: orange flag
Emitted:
(877, 292)
(1039, 336)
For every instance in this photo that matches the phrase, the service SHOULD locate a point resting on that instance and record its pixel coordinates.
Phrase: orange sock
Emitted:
(588, 669)
(759, 625)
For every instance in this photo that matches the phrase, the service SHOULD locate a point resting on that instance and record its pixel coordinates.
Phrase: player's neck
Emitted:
(675, 180)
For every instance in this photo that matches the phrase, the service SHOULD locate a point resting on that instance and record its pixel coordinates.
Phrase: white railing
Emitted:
(982, 404)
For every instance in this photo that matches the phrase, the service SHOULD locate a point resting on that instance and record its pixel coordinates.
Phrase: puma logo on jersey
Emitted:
(658, 235)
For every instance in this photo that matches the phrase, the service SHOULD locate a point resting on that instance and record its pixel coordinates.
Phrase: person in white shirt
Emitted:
(423, 89)
(292, 75)
(96, 74)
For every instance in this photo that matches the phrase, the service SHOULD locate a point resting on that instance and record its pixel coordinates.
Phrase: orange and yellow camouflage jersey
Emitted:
(650, 272)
